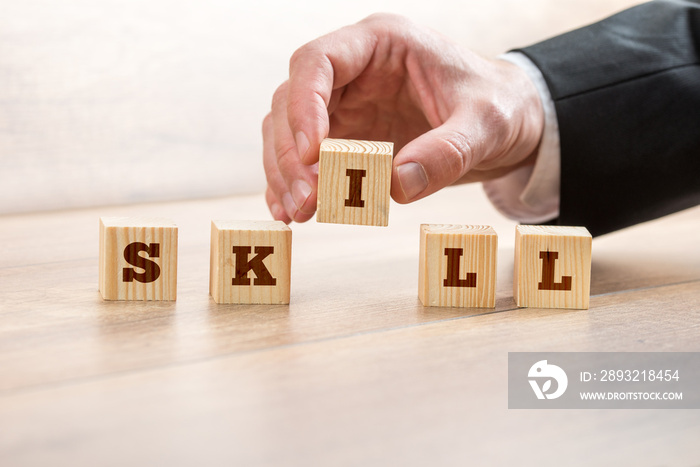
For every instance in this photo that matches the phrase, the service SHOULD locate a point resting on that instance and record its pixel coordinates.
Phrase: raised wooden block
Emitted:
(250, 262)
(354, 182)
(457, 266)
(138, 258)
(552, 266)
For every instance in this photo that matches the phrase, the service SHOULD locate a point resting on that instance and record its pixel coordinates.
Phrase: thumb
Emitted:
(431, 162)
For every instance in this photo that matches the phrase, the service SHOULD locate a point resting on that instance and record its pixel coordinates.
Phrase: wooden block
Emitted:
(552, 266)
(138, 258)
(354, 182)
(457, 266)
(250, 262)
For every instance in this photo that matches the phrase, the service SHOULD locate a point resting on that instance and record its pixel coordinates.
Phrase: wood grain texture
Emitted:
(552, 266)
(146, 247)
(354, 182)
(457, 265)
(353, 371)
(250, 262)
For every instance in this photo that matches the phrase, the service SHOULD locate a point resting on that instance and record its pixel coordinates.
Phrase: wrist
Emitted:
(528, 118)
(531, 194)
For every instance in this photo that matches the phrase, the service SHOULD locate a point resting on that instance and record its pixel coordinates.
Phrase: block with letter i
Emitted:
(138, 258)
(354, 182)
(250, 262)
(552, 266)
(457, 266)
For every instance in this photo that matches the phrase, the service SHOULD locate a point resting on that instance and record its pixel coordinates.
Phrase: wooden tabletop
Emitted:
(353, 372)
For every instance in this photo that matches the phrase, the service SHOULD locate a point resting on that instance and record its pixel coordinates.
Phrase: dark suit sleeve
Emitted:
(627, 95)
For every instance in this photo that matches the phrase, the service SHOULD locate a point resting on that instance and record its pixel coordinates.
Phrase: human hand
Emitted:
(452, 115)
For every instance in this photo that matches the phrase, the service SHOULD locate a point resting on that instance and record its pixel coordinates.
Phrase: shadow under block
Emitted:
(457, 266)
(138, 258)
(250, 262)
(552, 267)
(354, 182)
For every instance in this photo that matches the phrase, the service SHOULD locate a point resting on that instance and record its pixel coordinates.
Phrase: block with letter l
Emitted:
(250, 262)
(552, 267)
(138, 258)
(354, 182)
(457, 266)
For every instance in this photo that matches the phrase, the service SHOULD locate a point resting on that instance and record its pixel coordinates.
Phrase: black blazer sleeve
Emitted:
(627, 95)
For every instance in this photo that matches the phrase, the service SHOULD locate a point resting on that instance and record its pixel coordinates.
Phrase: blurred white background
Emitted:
(121, 101)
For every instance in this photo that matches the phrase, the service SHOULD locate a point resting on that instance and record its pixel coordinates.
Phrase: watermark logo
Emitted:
(542, 371)
(603, 380)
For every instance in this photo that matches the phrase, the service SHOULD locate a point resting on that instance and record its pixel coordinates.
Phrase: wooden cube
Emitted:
(354, 182)
(250, 262)
(552, 266)
(457, 266)
(138, 258)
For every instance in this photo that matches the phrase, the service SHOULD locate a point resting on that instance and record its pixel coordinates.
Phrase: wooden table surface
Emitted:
(353, 372)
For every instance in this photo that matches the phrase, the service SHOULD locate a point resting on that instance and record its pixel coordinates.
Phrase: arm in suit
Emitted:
(627, 96)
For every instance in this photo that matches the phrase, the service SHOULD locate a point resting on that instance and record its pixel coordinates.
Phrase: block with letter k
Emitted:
(250, 262)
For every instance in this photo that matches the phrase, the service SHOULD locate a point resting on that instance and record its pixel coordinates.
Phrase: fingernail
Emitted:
(277, 212)
(300, 193)
(289, 205)
(412, 179)
(302, 144)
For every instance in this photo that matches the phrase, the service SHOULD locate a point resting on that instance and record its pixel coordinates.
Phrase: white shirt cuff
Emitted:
(530, 194)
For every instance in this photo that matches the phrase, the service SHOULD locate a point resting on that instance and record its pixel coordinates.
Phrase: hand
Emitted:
(452, 115)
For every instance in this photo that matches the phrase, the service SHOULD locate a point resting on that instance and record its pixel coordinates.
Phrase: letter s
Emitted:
(150, 268)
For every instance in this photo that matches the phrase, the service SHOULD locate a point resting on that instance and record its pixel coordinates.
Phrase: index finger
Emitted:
(315, 70)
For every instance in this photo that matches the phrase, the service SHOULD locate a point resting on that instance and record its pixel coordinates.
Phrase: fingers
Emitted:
(315, 70)
(276, 209)
(276, 186)
(291, 184)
